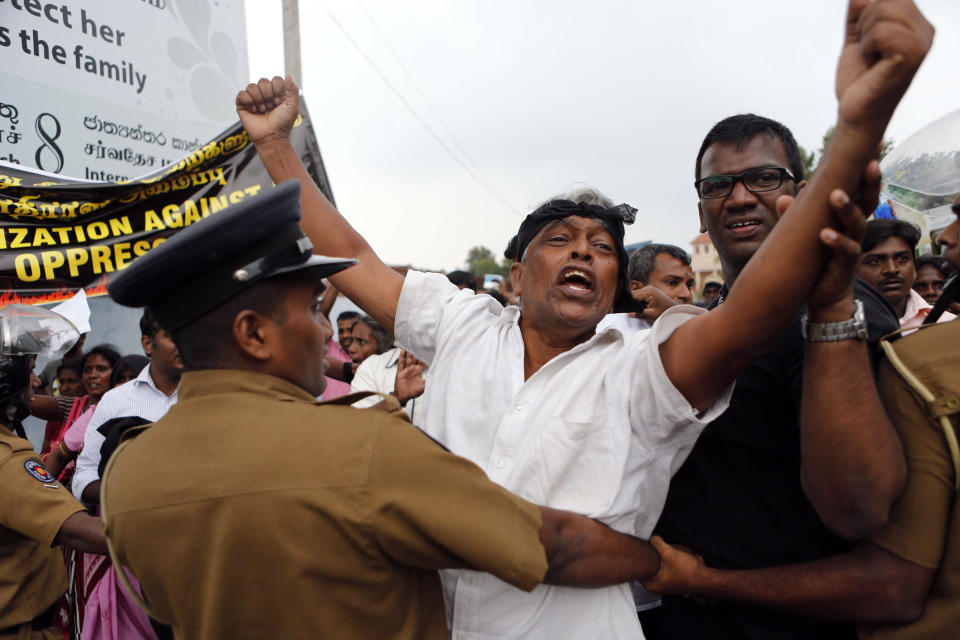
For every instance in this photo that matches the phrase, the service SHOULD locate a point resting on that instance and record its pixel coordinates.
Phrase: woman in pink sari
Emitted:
(95, 370)
(109, 613)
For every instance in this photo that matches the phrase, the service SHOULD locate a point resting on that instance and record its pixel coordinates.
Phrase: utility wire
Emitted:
(423, 96)
(416, 115)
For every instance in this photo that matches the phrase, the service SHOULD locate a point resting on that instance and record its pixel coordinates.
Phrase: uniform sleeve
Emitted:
(434, 510)
(432, 309)
(89, 459)
(32, 502)
(917, 528)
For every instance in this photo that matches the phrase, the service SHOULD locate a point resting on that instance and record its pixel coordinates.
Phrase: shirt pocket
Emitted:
(578, 466)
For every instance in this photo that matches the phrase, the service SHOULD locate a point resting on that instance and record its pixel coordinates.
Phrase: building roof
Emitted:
(703, 238)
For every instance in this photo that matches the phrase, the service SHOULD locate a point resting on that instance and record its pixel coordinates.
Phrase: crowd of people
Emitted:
(592, 450)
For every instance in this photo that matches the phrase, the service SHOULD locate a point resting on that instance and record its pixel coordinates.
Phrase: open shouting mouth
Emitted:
(577, 282)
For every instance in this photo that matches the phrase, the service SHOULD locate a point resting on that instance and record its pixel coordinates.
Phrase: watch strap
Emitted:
(853, 329)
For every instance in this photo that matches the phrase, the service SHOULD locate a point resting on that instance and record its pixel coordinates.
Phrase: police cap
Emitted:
(216, 258)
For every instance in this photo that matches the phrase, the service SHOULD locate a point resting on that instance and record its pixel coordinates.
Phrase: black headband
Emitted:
(612, 218)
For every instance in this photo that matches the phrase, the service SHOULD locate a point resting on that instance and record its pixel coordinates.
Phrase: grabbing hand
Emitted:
(884, 44)
(834, 287)
(654, 300)
(268, 109)
(409, 382)
(679, 570)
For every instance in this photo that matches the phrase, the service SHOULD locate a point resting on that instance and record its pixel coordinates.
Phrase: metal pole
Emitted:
(291, 40)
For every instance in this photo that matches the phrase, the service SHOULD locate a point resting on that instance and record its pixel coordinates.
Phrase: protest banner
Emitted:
(59, 234)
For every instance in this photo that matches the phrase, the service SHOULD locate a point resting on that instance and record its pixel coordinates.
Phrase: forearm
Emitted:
(852, 465)
(333, 236)
(338, 369)
(582, 552)
(858, 586)
(329, 231)
(82, 532)
(45, 408)
(779, 276)
(329, 299)
(58, 459)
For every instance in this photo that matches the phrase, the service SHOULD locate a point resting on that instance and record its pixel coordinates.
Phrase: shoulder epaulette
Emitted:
(928, 360)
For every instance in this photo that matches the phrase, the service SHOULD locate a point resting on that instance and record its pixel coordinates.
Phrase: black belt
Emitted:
(42, 621)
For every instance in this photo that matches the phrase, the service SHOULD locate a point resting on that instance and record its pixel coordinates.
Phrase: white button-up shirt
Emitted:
(598, 430)
(379, 373)
(137, 398)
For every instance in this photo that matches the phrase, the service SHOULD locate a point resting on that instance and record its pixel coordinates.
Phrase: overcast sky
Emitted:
(545, 94)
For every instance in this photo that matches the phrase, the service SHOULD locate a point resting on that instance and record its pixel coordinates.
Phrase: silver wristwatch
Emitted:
(854, 328)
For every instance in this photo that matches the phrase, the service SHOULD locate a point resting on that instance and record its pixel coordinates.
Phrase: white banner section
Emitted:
(112, 89)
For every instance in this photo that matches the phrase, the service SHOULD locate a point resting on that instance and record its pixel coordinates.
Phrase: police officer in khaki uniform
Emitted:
(920, 385)
(36, 512)
(250, 511)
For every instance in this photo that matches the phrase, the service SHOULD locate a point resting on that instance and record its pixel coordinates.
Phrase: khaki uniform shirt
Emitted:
(33, 507)
(249, 511)
(924, 525)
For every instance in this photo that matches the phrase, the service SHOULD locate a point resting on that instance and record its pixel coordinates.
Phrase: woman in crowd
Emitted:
(95, 369)
(123, 370)
(368, 338)
(72, 399)
(128, 368)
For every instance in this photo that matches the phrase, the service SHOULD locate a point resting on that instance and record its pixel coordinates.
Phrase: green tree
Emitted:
(809, 161)
(812, 159)
(481, 260)
(476, 255)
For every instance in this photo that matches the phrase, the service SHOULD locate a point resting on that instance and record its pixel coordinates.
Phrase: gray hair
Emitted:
(585, 194)
(380, 334)
(644, 260)
(582, 194)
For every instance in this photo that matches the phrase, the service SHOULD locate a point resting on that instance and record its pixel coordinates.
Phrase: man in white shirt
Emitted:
(394, 372)
(660, 277)
(665, 267)
(149, 396)
(550, 409)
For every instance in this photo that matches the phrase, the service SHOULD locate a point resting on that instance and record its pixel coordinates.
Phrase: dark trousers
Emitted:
(691, 619)
(688, 619)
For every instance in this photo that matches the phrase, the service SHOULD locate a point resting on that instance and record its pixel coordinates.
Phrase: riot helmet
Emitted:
(26, 332)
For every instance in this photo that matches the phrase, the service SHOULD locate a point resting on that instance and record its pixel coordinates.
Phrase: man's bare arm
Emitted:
(852, 466)
(582, 552)
(867, 584)
(885, 43)
(268, 110)
(328, 300)
(82, 532)
(45, 408)
(58, 459)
